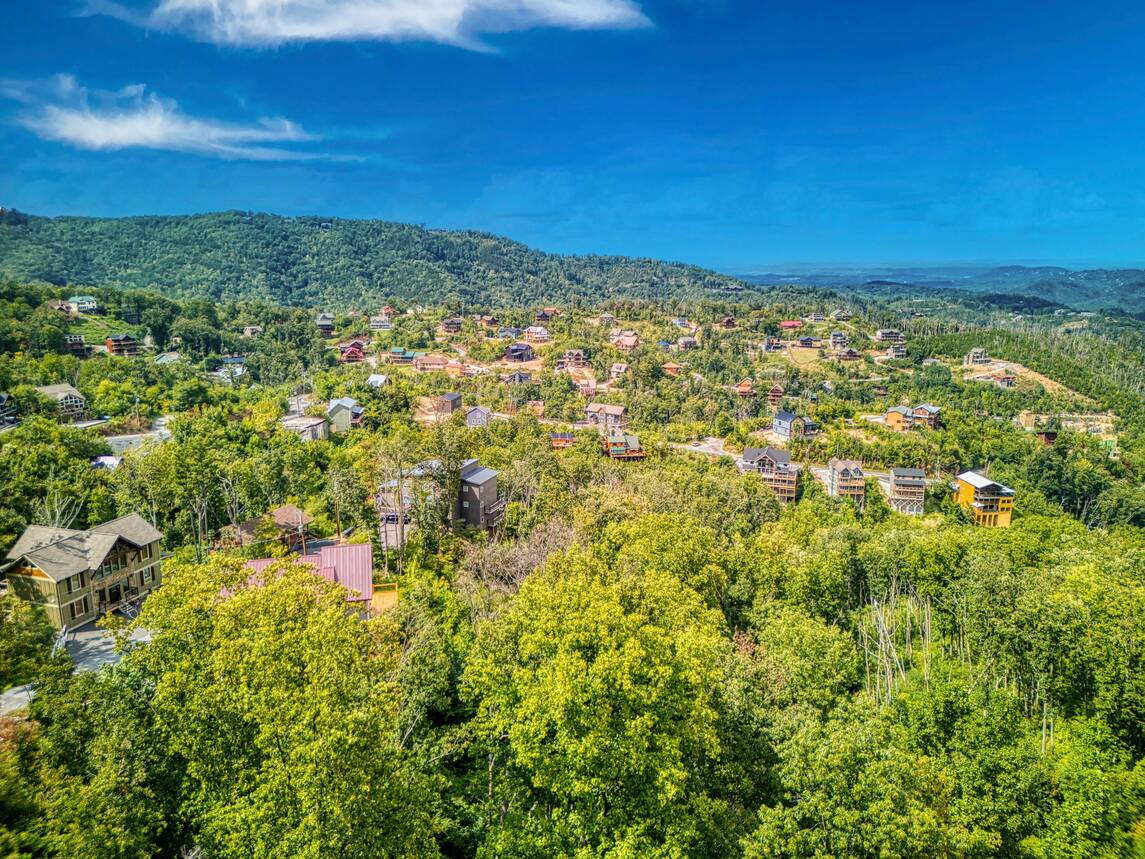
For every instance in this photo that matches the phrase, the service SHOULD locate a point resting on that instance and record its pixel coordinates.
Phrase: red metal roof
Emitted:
(350, 565)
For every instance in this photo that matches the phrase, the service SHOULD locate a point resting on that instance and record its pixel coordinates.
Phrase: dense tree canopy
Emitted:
(652, 657)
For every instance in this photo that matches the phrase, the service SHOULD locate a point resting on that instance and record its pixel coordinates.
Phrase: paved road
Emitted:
(710, 446)
(122, 443)
(90, 649)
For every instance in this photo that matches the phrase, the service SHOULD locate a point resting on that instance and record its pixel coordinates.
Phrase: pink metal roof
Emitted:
(351, 566)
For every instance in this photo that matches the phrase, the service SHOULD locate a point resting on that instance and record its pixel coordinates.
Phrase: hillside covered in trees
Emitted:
(651, 656)
(312, 261)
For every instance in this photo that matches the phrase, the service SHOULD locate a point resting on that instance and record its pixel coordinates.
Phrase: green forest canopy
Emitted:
(312, 261)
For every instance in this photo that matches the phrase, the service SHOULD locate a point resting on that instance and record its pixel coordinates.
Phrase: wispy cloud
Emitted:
(266, 23)
(132, 118)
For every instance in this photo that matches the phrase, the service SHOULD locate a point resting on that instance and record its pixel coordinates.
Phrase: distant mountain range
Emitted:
(1091, 289)
(321, 262)
(336, 263)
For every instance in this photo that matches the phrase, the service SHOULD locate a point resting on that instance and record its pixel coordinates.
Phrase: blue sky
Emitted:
(742, 135)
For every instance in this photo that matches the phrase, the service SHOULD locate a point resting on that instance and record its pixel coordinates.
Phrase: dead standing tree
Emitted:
(395, 467)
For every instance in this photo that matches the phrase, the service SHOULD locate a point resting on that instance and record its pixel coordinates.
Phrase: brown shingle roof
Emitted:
(133, 528)
(58, 392)
(63, 552)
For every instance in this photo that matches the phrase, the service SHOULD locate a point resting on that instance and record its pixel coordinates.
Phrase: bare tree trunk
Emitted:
(926, 648)
(54, 509)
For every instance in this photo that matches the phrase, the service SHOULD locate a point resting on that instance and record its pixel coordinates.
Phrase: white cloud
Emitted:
(132, 118)
(264, 23)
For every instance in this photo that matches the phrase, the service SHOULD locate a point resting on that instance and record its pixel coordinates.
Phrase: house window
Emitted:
(79, 608)
(145, 576)
(465, 504)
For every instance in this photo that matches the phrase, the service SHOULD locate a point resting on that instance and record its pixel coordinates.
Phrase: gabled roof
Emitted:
(785, 417)
(341, 403)
(853, 466)
(58, 392)
(604, 408)
(629, 441)
(755, 454)
(289, 516)
(63, 552)
(286, 518)
(927, 407)
(133, 528)
(351, 566)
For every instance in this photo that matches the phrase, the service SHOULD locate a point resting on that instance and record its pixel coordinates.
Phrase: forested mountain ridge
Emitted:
(316, 262)
(1100, 289)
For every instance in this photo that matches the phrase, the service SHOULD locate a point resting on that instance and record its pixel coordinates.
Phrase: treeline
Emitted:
(314, 262)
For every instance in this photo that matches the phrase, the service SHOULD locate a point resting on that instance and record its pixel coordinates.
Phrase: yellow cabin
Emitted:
(991, 503)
